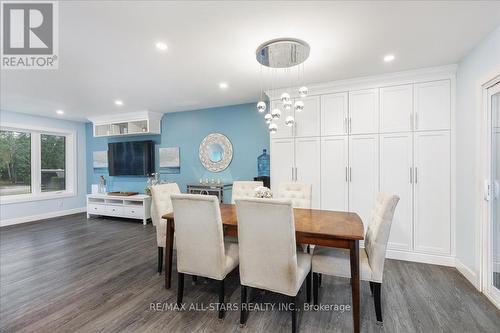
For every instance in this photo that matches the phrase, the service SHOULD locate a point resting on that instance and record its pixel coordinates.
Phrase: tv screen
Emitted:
(134, 158)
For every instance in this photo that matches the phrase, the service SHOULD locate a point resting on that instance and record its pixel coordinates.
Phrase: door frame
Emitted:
(485, 205)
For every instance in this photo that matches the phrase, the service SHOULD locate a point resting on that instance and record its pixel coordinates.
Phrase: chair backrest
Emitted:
(198, 235)
(244, 189)
(300, 194)
(161, 200)
(266, 238)
(377, 233)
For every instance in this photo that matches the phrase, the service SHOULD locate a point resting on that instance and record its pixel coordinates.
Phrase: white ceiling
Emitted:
(107, 49)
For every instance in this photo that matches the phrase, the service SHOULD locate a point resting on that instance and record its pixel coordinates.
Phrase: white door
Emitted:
(307, 164)
(432, 192)
(396, 108)
(282, 161)
(432, 105)
(283, 131)
(334, 114)
(307, 121)
(396, 177)
(363, 174)
(492, 230)
(334, 173)
(363, 111)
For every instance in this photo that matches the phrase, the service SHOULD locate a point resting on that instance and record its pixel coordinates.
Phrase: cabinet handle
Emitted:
(416, 175)
(295, 173)
(292, 173)
(350, 174)
(346, 177)
(345, 125)
(411, 175)
(350, 124)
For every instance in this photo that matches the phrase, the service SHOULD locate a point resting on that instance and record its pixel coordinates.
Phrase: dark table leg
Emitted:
(169, 248)
(354, 252)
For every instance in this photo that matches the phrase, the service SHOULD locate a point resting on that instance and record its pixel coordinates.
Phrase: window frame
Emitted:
(36, 163)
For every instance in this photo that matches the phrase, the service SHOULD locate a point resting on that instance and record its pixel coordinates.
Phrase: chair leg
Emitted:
(195, 278)
(243, 305)
(320, 278)
(377, 300)
(315, 288)
(180, 288)
(308, 286)
(293, 309)
(160, 259)
(221, 299)
(371, 287)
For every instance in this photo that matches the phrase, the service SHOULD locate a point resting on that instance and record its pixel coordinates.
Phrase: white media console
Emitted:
(134, 207)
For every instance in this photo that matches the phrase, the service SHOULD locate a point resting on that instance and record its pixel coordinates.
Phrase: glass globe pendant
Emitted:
(287, 105)
(285, 97)
(268, 118)
(261, 106)
(303, 91)
(273, 128)
(276, 113)
(299, 106)
(289, 121)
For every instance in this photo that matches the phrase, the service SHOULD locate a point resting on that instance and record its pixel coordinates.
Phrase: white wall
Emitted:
(480, 65)
(12, 213)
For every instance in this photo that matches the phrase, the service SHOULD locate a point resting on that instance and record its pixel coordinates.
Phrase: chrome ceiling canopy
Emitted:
(282, 52)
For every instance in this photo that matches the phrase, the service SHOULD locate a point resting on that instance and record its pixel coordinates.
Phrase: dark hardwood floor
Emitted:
(70, 274)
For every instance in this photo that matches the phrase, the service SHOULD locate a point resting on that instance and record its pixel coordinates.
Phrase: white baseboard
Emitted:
(468, 273)
(24, 219)
(421, 257)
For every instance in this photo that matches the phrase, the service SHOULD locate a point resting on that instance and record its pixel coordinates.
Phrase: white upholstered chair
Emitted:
(269, 258)
(244, 189)
(201, 250)
(301, 196)
(336, 262)
(161, 205)
(299, 193)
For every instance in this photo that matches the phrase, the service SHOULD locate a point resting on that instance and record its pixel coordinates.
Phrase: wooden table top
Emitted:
(313, 222)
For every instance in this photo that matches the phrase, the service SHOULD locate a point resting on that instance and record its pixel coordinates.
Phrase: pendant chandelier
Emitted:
(282, 57)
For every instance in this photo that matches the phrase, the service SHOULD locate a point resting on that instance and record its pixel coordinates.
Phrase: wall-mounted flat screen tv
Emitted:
(134, 158)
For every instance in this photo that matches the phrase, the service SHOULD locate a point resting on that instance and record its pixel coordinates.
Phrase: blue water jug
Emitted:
(263, 164)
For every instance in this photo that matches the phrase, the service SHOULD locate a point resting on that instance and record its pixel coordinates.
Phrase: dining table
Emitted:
(312, 226)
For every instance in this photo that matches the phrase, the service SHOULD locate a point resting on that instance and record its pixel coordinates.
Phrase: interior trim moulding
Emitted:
(41, 217)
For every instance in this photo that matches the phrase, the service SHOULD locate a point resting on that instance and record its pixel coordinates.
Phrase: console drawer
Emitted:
(133, 211)
(96, 209)
(114, 210)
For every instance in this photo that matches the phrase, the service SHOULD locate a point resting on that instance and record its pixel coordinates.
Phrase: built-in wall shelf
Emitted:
(134, 123)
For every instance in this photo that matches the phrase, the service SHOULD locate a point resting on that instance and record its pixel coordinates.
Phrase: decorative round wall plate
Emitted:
(216, 152)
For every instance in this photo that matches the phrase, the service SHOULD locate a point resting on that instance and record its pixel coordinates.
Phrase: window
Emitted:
(53, 155)
(15, 159)
(35, 163)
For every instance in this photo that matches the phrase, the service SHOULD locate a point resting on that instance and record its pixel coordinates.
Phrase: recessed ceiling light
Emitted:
(60, 112)
(389, 57)
(161, 46)
(119, 102)
(223, 85)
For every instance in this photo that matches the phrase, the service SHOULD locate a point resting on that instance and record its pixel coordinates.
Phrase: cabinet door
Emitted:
(282, 161)
(283, 130)
(363, 174)
(363, 111)
(432, 192)
(334, 114)
(432, 105)
(396, 168)
(334, 173)
(307, 163)
(396, 108)
(307, 121)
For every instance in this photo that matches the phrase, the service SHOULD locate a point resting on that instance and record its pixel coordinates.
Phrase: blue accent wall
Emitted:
(242, 124)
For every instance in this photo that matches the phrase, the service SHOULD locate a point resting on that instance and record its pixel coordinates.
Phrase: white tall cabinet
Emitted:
(356, 139)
